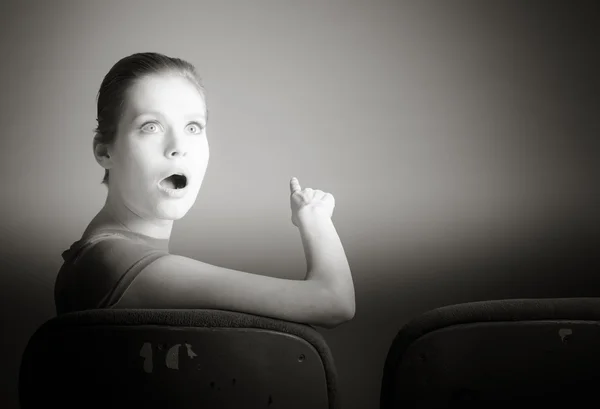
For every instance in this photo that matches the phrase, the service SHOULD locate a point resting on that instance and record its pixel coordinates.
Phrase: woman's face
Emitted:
(162, 132)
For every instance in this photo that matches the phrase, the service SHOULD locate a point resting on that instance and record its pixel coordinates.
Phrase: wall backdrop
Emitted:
(460, 140)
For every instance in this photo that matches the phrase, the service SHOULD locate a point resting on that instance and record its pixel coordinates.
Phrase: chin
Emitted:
(172, 211)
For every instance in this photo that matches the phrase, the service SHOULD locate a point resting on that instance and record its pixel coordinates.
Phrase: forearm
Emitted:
(325, 258)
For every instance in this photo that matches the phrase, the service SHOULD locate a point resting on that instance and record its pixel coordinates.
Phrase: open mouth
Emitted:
(175, 181)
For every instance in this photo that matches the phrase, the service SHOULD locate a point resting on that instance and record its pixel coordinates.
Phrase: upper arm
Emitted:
(179, 282)
(97, 271)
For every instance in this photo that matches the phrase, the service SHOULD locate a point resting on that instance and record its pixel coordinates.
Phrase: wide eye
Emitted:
(151, 127)
(195, 127)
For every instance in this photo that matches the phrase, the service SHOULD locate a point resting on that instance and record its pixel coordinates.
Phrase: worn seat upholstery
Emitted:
(176, 359)
(534, 351)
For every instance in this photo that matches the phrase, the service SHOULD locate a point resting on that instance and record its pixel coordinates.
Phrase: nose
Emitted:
(176, 147)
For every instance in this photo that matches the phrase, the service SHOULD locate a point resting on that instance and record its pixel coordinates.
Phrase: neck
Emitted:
(117, 215)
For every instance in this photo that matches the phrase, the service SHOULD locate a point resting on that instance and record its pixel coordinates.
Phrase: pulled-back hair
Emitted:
(112, 93)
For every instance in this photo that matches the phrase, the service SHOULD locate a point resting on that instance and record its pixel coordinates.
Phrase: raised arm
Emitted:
(324, 298)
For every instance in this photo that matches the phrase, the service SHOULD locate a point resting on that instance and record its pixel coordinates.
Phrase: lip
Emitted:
(181, 170)
(174, 193)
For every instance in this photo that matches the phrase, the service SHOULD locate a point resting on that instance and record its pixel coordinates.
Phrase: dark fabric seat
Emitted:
(176, 359)
(533, 351)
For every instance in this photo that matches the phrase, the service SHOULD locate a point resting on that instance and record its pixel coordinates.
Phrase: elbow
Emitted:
(344, 313)
(347, 306)
(337, 321)
(348, 310)
(332, 307)
(347, 313)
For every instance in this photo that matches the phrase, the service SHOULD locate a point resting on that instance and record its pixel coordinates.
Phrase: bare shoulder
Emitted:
(174, 281)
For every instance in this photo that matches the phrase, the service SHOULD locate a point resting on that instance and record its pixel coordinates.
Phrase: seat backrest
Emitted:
(176, 359)
(512, 351)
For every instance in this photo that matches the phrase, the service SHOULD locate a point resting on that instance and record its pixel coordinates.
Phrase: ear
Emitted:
(102, 153)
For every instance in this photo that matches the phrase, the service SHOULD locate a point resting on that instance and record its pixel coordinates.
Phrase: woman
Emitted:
(151, 140)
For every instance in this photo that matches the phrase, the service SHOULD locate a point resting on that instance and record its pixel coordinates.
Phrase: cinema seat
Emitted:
(176, 359)
(495, 354)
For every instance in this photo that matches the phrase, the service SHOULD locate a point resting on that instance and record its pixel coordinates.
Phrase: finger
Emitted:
(328, 197)
(294, 185)
(319, 194)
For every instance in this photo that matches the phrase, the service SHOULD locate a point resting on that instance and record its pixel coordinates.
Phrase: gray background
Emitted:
(460, 140)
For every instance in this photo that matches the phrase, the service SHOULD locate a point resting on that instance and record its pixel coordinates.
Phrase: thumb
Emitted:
(294, 185)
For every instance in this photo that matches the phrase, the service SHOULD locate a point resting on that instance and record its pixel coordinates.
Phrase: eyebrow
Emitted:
(154, 113)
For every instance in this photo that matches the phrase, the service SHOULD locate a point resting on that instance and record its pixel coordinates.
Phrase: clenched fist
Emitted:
(309, 202)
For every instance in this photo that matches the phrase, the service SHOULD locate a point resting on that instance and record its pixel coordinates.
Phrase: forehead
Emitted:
(171, 95)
